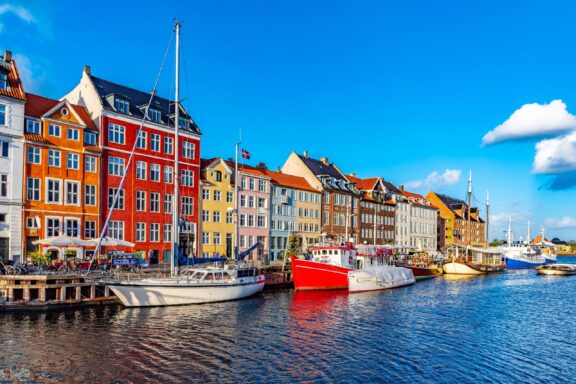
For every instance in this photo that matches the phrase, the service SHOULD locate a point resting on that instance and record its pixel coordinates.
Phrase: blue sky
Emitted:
(404, 90)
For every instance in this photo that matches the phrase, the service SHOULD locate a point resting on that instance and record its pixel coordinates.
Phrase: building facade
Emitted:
(340, 199)
(458, 228)
(143, 209)
(217, 209)
(423, 223)
(12, 100)
(401, 214)
(61, 174)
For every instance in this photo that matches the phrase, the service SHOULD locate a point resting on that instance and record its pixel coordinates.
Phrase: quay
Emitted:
(39, 291)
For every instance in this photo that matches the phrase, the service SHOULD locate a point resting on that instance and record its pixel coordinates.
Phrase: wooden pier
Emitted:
(49, 290)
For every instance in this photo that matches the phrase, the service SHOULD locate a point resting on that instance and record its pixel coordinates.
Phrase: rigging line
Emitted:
(127, 167)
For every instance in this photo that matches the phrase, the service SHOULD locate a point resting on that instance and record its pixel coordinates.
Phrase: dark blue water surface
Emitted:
(510, 327)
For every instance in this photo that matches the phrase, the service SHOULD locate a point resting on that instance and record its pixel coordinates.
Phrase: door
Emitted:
(229, 245)
(4, 249)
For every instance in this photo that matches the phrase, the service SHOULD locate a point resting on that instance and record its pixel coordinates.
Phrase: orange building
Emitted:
(61, 173)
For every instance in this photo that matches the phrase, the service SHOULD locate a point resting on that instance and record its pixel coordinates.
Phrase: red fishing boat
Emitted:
(326, 267)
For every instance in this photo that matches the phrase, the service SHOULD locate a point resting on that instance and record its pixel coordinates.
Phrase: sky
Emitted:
(421, 93)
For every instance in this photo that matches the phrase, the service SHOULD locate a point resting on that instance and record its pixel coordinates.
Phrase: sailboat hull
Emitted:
(462, 268)
(141, 294)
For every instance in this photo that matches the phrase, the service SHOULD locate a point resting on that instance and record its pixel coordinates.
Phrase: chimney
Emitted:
(8, 56)
(325, 160)
(261, 165)
(401, 188)
(306, 154)
(353, 174)
(87, 69)
(279, 170)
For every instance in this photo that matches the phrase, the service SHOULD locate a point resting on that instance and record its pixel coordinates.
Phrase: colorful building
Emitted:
(61, 173)
(12, 99)
(401, 214)
(377, 211)
(423, 222)
(143, 211)
(458, 228)
(340, 198)
(217, 209)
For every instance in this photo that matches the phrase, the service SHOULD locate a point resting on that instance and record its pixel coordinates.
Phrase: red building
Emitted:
(143, 212)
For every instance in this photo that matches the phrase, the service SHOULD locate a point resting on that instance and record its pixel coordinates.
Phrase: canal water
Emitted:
(503, 328)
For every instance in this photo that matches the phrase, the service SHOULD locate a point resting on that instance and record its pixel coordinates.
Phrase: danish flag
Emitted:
(245, 154)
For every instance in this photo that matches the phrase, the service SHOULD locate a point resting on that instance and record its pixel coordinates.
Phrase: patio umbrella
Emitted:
(111, 242)
(63, 241)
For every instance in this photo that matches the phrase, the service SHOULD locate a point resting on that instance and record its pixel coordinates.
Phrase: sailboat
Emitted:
(474, 260)
(190, 284)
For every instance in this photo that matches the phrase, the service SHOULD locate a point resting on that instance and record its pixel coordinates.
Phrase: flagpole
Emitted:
(236, 238)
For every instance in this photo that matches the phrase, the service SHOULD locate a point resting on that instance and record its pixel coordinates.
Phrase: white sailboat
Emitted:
(190, 285)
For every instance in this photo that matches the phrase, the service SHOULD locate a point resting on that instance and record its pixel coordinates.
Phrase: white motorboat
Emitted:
(557, 269)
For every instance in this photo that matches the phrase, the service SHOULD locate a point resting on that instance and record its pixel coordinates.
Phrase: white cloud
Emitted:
(500, 219)
(564, 222)
(533, 120)
(435, 180)
(556, 155)
(33, 77)
(19, 11)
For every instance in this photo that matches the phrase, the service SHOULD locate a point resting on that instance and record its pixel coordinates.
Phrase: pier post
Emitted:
(92, 291)
(42, 294)
(63, 293)
(78, 293)
(10, 294)
(26, 294)
(106, 291)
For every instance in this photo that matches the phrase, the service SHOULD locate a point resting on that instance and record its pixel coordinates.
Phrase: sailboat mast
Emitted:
(236, 181)
(175, 201)
(469, 202)
(487, 229)
(528, 233)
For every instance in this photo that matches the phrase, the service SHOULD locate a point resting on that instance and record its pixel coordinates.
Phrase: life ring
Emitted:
(350, 259)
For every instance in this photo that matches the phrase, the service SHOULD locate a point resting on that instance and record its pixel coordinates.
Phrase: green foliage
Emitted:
(497, 243)
(293, 248)
(38, 258)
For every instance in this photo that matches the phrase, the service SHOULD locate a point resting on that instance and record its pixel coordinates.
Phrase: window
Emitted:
(33, 189)
(251, 202)
(229, 217)
(3, 80)
(251, 187)
(168, 145)
(188, 150)
(154, 172)
(53, 158)
(141, 170)
(90, 194)
(89, 138)
(3, 185)
(261, 221)
(116, 229)
(116, 133)
(205, 216)
(242, 201)
(32, 126)
(140, 232)
(72, 227)
(168, 174)
(218, 176)
(72, 193)
(121, 105)
(261, 185)
(243, 241)
(205, 238)
(53, 130)
(73, 134)
(187, 178)
(32, 222)
(90, 163)
(155, 142)
(155, 232)
(72, 161)
(216, 216)
(261, 202)
(216, 238)
(184, 122)
(155, 115)
(229, 197)
(187, 205)
(216, 195)
(167, 203)
(116, 166)
(205, 194)
(167, 233)
(242, 220)
(89, 229)
(154, 202)
(141, 201)
(250, 220)
(141, 141)
(34, 155)
(53, 188)
(112, 194)
(243, 185)
(53, 227)
(4, 148)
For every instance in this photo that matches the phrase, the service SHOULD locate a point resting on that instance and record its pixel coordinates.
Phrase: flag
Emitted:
(245, 154)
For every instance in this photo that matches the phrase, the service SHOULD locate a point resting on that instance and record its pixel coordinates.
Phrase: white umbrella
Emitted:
(111, 242)
(63, 241)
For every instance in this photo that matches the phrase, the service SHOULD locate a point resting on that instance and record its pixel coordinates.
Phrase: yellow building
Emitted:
(454, 226)
(216, 209)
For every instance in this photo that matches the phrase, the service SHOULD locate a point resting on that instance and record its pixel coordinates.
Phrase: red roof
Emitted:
(289, 181)
(416, 198)
(15, 88)
(363, 184)
(37, 106)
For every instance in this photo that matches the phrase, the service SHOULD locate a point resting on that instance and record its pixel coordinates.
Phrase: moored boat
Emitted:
(557, 269)
(518, 254)
(474, 261)
(422, 265)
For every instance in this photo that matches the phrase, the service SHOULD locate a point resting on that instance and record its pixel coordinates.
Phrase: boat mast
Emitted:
(176, 201)
(509, 234)
(347, 218)
(487, 229)
(236, 181)
(528, 233)
(469, 202)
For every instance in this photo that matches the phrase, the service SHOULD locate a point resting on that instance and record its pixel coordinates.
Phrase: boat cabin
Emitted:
(334, 255)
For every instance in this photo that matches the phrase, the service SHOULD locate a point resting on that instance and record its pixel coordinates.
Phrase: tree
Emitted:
(497, 243)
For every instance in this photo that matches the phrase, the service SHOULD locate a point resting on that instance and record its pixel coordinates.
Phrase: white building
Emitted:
(12, 100)
(402, 217)
(423, 223)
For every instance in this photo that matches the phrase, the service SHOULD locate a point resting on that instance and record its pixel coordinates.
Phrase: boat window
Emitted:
(197, 275)
(209, 276)
(218, 276)
(324, 252)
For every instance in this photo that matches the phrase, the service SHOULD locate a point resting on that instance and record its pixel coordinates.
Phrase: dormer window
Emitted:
(3, 80)
(155, 115)
(33, 126)
(121, 105)
(89, 138)
(183, 123)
